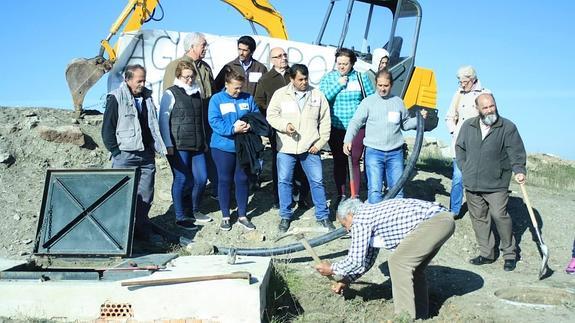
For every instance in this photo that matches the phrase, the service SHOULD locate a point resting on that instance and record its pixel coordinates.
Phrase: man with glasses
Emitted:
(270, 82)
(244, 65)
(462, 107)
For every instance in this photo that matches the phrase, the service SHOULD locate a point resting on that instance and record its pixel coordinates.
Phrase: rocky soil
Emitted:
(33, 140)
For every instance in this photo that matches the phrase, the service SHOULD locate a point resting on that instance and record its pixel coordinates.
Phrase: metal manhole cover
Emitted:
(87, 212)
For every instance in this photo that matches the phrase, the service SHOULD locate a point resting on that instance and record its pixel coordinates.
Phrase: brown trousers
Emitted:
(483, 208)
(408, 262)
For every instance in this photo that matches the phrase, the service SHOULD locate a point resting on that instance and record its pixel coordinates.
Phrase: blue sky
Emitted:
(520, 50)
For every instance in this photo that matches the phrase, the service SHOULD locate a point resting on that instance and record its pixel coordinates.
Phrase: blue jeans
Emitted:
(230, 174)
(189, 171)
(456, 196)
(211, 168)
(379, 163)
(313, 171)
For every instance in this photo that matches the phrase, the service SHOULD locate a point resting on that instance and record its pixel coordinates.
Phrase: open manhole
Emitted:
(536, 296)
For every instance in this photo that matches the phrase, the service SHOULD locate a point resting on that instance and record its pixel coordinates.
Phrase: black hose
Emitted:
(290, 248)
(317, 241)
(412, 159)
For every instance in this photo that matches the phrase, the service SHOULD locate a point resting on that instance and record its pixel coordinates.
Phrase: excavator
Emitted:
(416, 85)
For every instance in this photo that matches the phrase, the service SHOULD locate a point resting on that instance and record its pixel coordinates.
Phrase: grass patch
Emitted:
(549, 172)
(433, 159)
(282, 306)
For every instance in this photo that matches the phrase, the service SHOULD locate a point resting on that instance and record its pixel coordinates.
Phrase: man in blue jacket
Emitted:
(487, 150)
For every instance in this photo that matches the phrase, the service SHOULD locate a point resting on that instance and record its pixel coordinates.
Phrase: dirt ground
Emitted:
(458, 291)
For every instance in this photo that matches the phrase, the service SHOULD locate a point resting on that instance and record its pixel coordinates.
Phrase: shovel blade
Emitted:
(543, 272)
(82, 74)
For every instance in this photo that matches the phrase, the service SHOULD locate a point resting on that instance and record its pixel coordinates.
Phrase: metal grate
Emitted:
(108, 310)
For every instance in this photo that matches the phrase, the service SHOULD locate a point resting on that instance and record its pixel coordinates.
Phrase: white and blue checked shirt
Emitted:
(390, 221)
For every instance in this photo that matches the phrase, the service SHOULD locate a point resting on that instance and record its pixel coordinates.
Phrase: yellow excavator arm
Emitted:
(82, 74)
(262, 13)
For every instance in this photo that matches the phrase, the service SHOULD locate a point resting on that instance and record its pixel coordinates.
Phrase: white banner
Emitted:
(155, 49)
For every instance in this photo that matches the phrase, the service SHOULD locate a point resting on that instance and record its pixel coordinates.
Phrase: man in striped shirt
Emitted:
(413, 229)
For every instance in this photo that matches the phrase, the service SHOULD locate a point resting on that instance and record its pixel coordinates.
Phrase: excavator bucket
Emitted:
(82, 74)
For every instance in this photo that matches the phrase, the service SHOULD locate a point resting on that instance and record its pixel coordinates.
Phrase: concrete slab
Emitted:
(231, 300)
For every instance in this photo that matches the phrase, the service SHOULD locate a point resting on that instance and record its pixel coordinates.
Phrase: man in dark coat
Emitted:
(244, 65)
(487, 150)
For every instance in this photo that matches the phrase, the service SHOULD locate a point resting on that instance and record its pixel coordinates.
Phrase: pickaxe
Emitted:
(299, 236)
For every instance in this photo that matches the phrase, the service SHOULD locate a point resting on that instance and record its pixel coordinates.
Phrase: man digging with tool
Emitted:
(414, 229)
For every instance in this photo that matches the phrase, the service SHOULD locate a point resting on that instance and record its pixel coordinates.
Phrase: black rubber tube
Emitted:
(412, 160)
(317, 241)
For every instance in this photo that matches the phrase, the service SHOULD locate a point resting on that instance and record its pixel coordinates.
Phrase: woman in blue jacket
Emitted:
(224, 113)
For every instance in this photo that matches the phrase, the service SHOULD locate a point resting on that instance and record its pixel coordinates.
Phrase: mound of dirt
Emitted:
(33, 140)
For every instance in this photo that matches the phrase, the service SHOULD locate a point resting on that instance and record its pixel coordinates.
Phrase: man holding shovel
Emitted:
(487, 150)
(414, 229)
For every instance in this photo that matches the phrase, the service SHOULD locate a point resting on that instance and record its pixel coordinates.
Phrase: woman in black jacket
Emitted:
(182, 128)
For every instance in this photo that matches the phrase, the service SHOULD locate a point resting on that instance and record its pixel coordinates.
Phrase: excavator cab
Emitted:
(363, 30)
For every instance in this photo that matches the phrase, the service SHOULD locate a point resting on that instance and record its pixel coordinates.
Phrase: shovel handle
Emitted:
(529, 208)
(180, 280)
(543, 247)
(531, 213)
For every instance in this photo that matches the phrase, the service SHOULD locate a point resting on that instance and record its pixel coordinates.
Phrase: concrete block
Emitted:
(232, 300)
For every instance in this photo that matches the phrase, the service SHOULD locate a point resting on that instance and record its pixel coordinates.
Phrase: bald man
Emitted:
(488, 149)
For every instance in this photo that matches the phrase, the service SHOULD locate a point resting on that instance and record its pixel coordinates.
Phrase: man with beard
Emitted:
(487, 150)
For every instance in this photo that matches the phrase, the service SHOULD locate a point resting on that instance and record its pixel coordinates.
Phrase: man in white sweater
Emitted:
(384, 116)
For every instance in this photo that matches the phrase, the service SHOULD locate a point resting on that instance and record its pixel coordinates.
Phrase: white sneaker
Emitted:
(202, 218)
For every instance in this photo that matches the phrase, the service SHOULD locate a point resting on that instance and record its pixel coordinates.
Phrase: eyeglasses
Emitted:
(188, 77)
(280, 55)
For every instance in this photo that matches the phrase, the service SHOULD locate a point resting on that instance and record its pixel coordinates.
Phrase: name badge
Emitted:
(353, 86)
(315, 102)
(289, 107)
(393, 117)
(227, 108)
(244, 106)
(253, 77)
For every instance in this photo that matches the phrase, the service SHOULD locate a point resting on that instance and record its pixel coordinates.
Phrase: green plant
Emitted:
(282, 306)
(550, 172)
